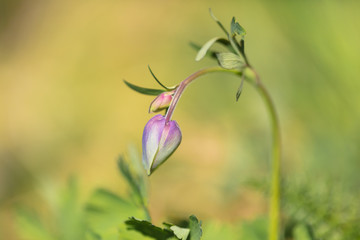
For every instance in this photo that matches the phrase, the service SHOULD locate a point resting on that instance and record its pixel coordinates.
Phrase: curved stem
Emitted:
(274, 209)
(180, 89)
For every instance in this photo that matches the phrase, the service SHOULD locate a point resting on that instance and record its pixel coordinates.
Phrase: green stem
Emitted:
(274, 210)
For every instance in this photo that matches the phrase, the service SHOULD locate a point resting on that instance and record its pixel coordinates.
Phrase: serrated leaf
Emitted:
(195, 228)
(180, 233)
(229, 60)
(218, 22)
(236, 28)
(147, 229)
(142, 90)
(204, 49)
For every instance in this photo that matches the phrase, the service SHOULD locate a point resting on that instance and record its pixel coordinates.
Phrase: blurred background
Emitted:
(65, 111)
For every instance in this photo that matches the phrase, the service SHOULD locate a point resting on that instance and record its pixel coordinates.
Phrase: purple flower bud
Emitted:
(159, 141)
(161, 102)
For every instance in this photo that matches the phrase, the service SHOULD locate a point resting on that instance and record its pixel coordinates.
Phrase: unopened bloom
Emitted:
(161, 102)
(160, 140)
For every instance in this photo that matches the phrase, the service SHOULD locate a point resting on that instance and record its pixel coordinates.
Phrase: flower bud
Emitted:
(161, 102)
(159, 141)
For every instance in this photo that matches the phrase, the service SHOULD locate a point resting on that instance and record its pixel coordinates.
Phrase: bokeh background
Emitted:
(65, 111)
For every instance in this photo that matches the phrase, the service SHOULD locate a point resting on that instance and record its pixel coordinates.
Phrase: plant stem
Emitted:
(274, 210)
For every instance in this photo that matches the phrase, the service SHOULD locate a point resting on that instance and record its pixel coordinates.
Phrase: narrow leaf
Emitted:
(195, 228)
(146, 91)
(236, 28)
(157, 79)
(239, 91)
(229, 60)
(134, 181)
(204, 49)
(218, 22)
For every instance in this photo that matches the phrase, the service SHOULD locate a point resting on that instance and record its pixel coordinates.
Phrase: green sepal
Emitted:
(205, 48)
(146, 91)
(229, 60)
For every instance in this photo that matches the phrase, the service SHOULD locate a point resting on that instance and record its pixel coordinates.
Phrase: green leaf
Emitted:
(218, 22)
(147, 229)
(229, 60)
(29, 224)
(135, 180)
(180, 233)
(237, 29)
(195, 228)
(204, 49)
(152, 74)
(146, 91)
(106, 212)
(197, 47)
(239, 91)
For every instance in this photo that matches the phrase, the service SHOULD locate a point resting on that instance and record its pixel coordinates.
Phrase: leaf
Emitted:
(106, 212)
(152, 74)
(147, 229)
(236, 28)
(180, 233)
(218, 22)
(195, 228)
(146, 91)
(204, 49)
(229, 60)
(136, 182)
(239, 91)
(197, 47)
(29, 224)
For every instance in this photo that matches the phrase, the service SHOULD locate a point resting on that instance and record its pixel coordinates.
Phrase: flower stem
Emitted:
(274, 209)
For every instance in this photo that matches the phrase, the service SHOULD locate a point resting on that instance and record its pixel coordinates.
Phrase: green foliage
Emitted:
(195, 228)
(170, 231)
(324, 210)
(147, 229)
(142, 90)
(236, 29)
(180, 233)
(106, 213)
(229, 60)
(65, 223)
(205, 48)
(162, 85)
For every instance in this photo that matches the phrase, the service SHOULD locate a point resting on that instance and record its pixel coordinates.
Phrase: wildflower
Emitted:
(160, 140)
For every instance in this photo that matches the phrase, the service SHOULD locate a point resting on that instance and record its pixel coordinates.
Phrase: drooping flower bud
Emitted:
(159, 141)
(161, 102)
